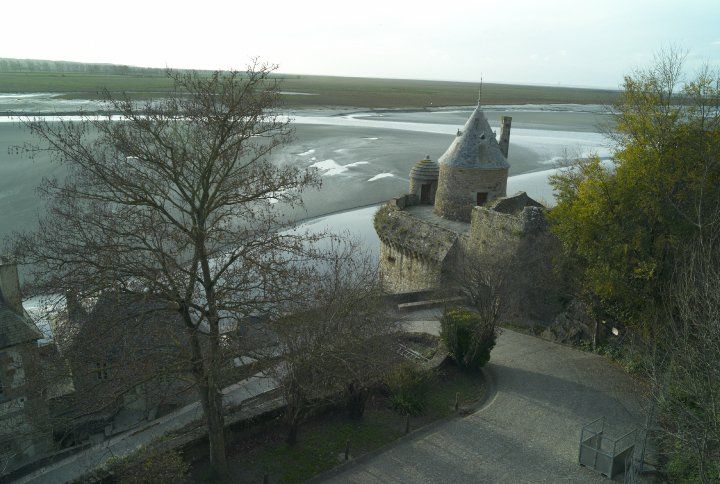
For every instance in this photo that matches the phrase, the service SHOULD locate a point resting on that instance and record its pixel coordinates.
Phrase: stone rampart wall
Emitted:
(402, 270)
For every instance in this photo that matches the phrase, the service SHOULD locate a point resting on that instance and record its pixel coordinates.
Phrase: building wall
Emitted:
(402, 271)
(517, 244)
(415, 188)
(522, 246)
(457, 189)
(25, 433)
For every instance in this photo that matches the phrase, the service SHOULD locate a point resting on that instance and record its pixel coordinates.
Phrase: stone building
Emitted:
(25, 433)
(125, 357)
(473, 170)
(457, 209)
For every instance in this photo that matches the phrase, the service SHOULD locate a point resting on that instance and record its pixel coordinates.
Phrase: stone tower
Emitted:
(473, 170)
(424, 180)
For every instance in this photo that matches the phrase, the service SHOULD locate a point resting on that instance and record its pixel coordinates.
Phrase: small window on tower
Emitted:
(481, 198)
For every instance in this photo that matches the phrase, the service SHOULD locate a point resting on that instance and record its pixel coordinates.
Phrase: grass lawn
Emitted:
(323, 90)
(261, 449)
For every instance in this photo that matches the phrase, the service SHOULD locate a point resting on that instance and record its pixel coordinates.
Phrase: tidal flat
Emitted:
(363, 156)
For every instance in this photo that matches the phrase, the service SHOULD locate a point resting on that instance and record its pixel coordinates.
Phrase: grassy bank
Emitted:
(262, 449)
(320, 90)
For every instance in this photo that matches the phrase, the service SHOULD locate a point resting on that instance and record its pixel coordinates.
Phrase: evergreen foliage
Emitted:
(409, 386)
(469, 341)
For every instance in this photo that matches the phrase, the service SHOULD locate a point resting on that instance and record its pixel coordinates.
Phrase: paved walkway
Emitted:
(124, 444)
(527, 432)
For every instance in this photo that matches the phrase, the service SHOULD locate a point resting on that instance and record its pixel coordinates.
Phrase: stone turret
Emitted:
(473, 170)
(424, 180)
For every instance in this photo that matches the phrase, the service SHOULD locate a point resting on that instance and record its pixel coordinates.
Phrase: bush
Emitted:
(149, 465)
(409, 386)
(682, 466)
(468, 338)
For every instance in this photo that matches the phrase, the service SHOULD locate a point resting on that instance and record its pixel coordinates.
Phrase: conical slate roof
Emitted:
(475, 146)
(425, 169)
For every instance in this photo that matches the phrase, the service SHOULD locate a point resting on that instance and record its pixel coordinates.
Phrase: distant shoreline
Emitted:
(317, 91)
(325, 110)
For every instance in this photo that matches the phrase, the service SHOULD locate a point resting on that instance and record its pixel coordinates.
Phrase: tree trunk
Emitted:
(292, 435)
(216, 433)
(356, 400)
(596, 334)
(211, 401)
(214, 410)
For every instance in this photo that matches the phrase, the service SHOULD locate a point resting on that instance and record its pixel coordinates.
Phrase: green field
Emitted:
(325, 90)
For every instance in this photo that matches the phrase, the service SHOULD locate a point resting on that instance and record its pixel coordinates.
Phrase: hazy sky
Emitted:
(579, 42)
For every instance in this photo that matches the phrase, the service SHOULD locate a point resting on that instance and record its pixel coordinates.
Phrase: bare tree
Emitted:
(510, 277)
(483, 280)
(172, 200)
(338, 344)
(686, 374)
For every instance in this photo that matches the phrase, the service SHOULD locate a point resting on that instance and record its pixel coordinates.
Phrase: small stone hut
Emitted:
(424, 180)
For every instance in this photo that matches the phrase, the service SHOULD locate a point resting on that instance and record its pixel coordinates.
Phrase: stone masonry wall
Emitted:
(24, 420)
(457, 188)
(487, 225)
(403, 271)
(521, 245)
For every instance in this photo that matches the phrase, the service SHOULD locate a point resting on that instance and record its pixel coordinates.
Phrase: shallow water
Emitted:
(364, 157)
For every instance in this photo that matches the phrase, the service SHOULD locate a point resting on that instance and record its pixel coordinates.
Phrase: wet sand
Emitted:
(364, 157)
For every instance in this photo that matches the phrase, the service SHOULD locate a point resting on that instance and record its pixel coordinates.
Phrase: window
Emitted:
(481, 198)
(101, 370)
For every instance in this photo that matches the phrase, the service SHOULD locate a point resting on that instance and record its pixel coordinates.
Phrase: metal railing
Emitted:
(605, 454)
(410, 354)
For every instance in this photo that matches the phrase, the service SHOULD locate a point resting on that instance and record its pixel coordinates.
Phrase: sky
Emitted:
(549, 42)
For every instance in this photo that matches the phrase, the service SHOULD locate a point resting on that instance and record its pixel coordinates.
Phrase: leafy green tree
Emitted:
(624, 222)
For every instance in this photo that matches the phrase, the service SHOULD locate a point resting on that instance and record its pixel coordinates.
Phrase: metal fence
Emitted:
(603, 453)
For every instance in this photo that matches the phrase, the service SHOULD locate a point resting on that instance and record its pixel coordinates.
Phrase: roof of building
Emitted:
(514, 204)
(15, 328)
(425, 169)
(475, 146)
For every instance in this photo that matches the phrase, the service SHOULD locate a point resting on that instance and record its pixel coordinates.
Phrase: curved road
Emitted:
(528, 431)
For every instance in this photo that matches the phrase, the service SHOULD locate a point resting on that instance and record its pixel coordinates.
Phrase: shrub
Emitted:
(149, 465)
(408, 386)
(468, 338)
(682, 466)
